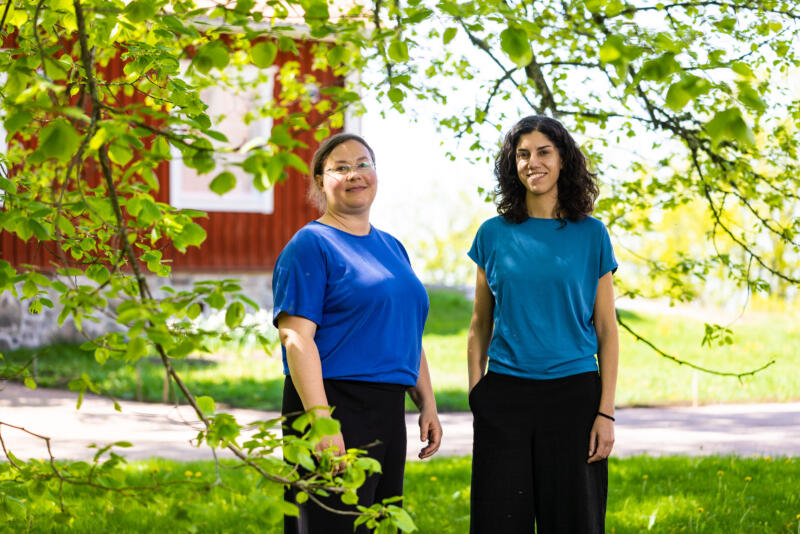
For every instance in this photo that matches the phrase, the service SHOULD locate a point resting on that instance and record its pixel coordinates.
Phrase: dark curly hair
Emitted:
(577, 186)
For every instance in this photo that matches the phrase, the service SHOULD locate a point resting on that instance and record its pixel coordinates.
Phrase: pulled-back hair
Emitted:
(315, 194)
(577, 186)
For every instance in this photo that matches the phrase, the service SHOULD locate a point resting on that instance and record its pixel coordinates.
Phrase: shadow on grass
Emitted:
(450, 312)
(447, 400)
(628, 315)
(143, 380)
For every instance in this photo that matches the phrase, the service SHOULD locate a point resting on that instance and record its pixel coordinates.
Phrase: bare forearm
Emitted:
(608, 361)
(422, 393)
(305, 369)
(477, 351)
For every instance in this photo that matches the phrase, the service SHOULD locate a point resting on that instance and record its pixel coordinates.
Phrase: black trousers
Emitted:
(369, 412)
(529, 456)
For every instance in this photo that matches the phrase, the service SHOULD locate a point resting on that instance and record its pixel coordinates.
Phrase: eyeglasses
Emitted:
(345, 169)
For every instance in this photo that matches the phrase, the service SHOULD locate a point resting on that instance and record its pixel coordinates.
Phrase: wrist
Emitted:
(604, 415)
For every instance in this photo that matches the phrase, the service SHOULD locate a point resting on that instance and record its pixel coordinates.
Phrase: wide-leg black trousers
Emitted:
(369, 412)
(529, 456)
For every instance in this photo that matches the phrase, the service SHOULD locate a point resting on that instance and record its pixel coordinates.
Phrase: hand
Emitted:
(601, 439)
(337, 443)
(430, 430)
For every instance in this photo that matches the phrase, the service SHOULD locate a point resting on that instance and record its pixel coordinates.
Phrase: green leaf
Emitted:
(194, 310)
(206, 404)
(449, 35)
(98, 273)
(742, 69)
(191, 235)
(120, 153)
(136, 348)
(223, 182)
(8, 185)
(57, 140)
(659, 69)
(234, 315)
(325, 426)
(39, 230)
(183, 349)
(398, 51)
(15, 122)
(101, 355)
(750, 97)
(730, 125)
(395, 95)
(140, 10)
(337, 55)
(515, 43)
(149, 212)
(30, 383)
(216, 300)
(264, 54)
(402, 519)
(686, 89)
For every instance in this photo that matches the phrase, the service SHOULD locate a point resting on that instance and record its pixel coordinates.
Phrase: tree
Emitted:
(700, 94)
(78, 177)
(696, 88)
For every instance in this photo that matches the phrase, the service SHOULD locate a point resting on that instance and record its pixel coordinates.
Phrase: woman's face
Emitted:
(538, 164)
(349, 189)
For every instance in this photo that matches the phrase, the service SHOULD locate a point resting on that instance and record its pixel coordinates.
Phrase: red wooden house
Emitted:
(246, 230)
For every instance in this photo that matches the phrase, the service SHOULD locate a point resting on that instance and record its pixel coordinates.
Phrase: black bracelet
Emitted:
(601, 414)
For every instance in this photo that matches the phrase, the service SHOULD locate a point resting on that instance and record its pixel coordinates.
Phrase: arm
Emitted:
(297, 335)
(601, 437)
(480, 329)
(430, 429)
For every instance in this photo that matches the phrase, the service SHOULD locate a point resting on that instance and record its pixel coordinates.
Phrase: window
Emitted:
(227, 109)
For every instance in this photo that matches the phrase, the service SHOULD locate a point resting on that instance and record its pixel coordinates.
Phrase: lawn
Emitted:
(725, 495)
(253, 379)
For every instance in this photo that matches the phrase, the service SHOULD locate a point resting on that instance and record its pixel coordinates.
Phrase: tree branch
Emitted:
(677, 360)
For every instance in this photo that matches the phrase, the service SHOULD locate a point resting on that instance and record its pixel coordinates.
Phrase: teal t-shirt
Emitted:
(543, 274)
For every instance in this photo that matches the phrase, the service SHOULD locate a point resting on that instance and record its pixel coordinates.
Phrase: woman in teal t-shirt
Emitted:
(544, 307)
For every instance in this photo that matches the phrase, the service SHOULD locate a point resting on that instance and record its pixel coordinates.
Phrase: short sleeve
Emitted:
(402, 249)
(607, 260)
(478, 250)
(299, 279)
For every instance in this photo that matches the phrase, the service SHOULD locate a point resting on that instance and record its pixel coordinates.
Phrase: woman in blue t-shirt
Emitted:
(350, 313)
(544, 307)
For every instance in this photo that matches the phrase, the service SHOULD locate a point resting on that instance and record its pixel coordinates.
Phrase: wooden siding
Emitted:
(236, 241)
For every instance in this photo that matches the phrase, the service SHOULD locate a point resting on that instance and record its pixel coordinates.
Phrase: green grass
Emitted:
(676, 494)
(254, 380)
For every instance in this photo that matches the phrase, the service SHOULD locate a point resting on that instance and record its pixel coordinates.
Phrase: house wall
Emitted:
(238, 245)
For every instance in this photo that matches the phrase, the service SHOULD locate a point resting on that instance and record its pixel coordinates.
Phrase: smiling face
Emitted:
(538, 166)
(354, 192)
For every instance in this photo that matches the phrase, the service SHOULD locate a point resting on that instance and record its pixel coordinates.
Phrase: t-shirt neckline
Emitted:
(356, 236)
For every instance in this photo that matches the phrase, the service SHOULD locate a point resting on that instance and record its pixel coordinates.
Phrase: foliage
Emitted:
(701, 86)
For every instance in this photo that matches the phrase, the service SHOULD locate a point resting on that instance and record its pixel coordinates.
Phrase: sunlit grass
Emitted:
(676, 494)
(670, 494)
(253, 379)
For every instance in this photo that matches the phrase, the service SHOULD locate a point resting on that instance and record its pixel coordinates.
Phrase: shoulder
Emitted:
(495, 225)
(591, 225)
(309, 239)
(389, 240)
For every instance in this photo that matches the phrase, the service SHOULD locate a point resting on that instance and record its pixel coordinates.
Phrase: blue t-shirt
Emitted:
(369, 306)
(543, 275)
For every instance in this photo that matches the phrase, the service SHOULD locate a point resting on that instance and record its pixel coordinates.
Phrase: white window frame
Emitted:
(233, 201)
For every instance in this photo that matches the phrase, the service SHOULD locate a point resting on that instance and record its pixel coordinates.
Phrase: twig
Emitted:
(679, 361)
